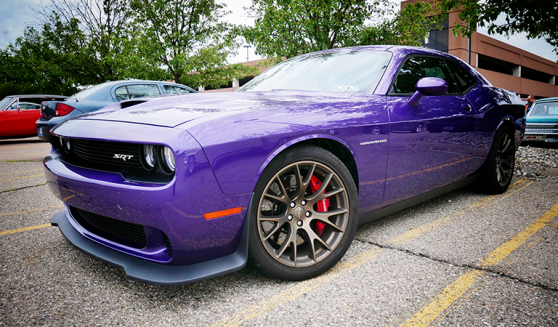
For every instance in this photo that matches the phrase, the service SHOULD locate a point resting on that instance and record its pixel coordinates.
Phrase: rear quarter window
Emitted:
(175, 89)
(142, 90)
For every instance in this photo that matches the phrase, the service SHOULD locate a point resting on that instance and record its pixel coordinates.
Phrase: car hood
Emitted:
(542, 119)
(174, 111)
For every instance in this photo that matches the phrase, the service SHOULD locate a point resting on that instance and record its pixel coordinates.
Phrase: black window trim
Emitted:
(430, 56)
(127, 92)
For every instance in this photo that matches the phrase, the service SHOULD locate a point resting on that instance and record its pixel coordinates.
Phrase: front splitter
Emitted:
(155, 273)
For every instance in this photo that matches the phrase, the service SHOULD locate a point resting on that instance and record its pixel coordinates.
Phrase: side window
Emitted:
(464, 80)
(143, 90)
(14, 105)
(416, 68)
(173, 89)
(121, 93)
(29, 106)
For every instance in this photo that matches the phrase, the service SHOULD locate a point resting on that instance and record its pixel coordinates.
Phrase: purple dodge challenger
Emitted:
(180, 189)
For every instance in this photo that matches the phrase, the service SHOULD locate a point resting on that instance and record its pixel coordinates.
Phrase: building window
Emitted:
(438, 39)
(536, 75)
(496, 65)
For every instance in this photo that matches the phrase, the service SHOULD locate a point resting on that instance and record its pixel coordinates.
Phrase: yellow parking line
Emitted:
(23, 229)
(46, 145)
(299, 289)
(433, 225)
(455, 290)
(443, 300)
(31, 176)
(482, 204)
(419, 231)
(20, 172)
(505, 249)
(508, 194)
(29, 210)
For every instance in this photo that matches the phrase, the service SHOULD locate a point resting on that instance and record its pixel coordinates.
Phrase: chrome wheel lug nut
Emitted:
(308, 214)
(303, 202)
(293, 204)
(299, 223)
(290, 217)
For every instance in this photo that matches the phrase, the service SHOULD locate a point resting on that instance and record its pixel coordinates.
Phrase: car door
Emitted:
(430, 144)
(15, 121)
(28, 113)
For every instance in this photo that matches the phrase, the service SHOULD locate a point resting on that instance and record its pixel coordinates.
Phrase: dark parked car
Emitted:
(100, 96)
(542, 121)
(18, 114)
(176, 190)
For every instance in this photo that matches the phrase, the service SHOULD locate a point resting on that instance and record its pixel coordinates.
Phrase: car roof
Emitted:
(138, 81)
(37, 96)
(403, 49)
(128, 81)
(546, 100)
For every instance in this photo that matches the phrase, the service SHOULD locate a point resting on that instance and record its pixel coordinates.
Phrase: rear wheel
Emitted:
(498, 169)
(306, 214)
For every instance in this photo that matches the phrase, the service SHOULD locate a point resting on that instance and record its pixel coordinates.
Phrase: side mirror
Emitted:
(428, 86)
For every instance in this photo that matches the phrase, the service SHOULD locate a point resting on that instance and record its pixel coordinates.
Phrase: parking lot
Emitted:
(460, 259)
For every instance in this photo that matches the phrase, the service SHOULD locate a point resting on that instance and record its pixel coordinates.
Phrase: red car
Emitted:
(18, 114)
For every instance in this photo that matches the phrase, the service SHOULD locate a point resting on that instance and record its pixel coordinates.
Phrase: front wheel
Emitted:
(498, 169)
(305, 215)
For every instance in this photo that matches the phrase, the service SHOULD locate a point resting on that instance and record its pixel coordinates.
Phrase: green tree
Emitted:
(536, 18)
(182, 40)
(48, 60)
(409, 26)
(102, 25)
(286, 28)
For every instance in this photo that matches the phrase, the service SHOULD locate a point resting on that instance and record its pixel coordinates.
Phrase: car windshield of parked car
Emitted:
(87, 92)
(545, 109)
(4, 102)
(347, 71)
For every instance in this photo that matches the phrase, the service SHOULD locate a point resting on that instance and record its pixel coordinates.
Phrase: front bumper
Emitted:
(44, 127)
(151, 272)
(174, 209)
(539, 137)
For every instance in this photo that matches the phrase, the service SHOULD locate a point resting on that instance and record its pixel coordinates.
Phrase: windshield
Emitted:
(5, 101)
(545, 109)
(87, 92)
(353, 71)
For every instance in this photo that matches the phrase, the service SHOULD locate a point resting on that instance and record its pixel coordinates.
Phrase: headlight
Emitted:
(148, 156)
(168, 160)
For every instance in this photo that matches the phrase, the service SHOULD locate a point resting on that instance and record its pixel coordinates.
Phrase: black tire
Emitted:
(286, 243)
(498, 168)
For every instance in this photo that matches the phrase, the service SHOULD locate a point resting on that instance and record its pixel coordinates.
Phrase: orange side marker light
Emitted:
(222, 213)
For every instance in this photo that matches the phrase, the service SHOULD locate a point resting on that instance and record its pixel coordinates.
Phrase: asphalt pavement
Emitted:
(462, 259)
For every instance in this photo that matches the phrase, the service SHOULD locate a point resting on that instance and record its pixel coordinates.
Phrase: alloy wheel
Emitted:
(504, 159)
(303, 214)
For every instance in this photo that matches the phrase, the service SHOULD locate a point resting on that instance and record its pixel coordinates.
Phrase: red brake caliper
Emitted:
(323, 205)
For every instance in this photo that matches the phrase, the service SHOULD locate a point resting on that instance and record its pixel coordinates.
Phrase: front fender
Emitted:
(296, 141)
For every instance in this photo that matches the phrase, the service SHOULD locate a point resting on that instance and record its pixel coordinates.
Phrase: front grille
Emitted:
(542, 128)
(118, 231)
(103, 153)
(113, 229)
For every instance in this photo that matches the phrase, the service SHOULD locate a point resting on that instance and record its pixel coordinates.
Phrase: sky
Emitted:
(17, 14)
